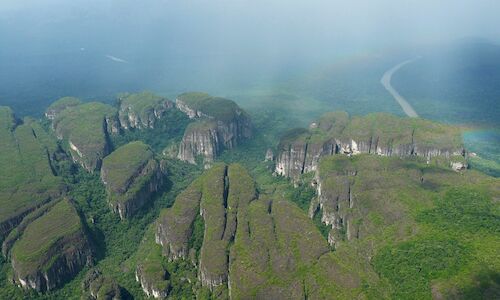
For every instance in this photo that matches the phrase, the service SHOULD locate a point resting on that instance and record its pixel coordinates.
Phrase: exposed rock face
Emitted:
(221, 125)
(150, 285)
(101, 287)
(86, 129)
(131, 175)
(44, 264)
(174, 227)
(200, 139)
(380, 134)
(252, 248)
(269, 155)
(217, 196)
(142, 110)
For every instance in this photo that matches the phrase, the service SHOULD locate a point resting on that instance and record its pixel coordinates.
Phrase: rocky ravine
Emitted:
(220, 124)
(382, 134)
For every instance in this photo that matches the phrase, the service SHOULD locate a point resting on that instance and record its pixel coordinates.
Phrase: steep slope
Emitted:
(377, 133)
(85, 129)
(428, 231)
(252, 247)
(52, 249)
(221, 124)
(27, 178)
(142, 110)
(131, 175)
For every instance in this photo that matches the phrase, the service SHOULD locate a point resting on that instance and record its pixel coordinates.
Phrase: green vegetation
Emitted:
(142, 104)
(58, 106)
(84, 129)
(430, 230)
(122, 165)
(27, 179)
(48, 237)
(167, 131)
(219, 108)
(414, 230)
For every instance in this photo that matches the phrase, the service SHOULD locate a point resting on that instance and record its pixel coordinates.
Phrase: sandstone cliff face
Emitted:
(200, 139)
(131, 175)
(157, 287)
(220, 125)
(174, 227)
(86, 128)
(379, 134)
(133, 201)
(45, 264)
(143, 110)
(100, 287)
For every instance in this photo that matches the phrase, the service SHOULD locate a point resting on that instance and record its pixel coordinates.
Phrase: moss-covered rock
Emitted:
(131, 175)
(99, 287)
(58, 106)
(377, 133)
(52, 249)
(142, 110)
(221, 124)
(28, 178)
(85, 129)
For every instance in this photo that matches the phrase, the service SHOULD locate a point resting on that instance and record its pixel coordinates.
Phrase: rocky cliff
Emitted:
(253, 247)
(99, 287)
(51, 250)
(220, 125)
(131, 175)
(142, 110)
(86, 128)
(381, 134)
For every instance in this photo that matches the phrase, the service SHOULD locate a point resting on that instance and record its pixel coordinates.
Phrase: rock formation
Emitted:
(86, 128)
(220, 125)
(378, 133)
(131, 175)
(143, 110)
(52, 249)
(100, 287)
(252, 247)
(28, 178)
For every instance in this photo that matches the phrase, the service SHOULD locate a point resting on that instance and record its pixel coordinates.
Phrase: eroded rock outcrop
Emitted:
(131, 175)
(154, 284)
(51, 250)
(86, 128)
(100, 287)
(378, 133)
(252, 247)
(220, 125)
(142, 110)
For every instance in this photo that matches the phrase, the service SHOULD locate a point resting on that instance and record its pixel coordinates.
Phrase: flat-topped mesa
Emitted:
(142, 110)
(377, 133)
(86, 128)
(58, 106)
(51, 250)
(28, 179)
(131, 175)
(221, 124)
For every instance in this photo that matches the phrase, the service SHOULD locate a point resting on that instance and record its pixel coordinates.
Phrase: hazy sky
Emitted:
(223, 26)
